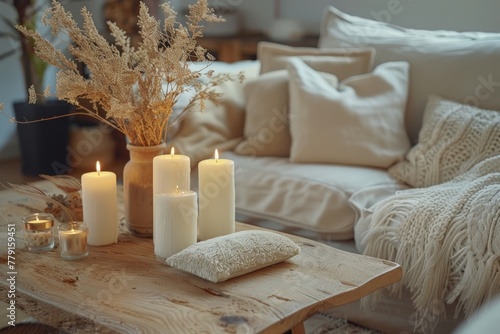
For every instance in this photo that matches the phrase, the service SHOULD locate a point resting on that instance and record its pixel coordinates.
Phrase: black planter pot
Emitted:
(44, 143)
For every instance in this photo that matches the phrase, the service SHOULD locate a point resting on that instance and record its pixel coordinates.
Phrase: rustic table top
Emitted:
(123, 288)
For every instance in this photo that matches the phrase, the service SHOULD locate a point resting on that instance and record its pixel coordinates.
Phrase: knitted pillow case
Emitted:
(453, 139)
(221, 258)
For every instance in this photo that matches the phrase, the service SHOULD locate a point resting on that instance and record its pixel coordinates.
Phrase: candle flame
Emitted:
(37, 220)
(98, 167)
(216, 155)
(177, 190)
(172, 151)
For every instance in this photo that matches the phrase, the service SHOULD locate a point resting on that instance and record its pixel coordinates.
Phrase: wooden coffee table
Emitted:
(123, 288)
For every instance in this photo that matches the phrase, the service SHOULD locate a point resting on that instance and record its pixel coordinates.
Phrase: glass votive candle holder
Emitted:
(73, 240)
(39, 232)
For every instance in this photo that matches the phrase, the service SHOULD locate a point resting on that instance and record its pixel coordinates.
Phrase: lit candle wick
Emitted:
(172, 152)
(177, 190)
(216, 155)
(98, 168)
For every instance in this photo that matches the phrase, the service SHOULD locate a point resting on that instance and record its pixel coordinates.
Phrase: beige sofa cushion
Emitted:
(266, 127)
(273, 57)
(463, 67)
(359, 121)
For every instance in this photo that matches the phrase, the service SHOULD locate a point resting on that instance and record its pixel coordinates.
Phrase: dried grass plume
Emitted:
(136, 87)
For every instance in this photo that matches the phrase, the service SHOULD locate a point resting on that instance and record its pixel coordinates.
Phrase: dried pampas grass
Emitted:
(135, 87)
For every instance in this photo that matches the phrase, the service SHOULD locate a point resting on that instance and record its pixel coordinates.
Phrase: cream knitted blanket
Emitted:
(447, 240)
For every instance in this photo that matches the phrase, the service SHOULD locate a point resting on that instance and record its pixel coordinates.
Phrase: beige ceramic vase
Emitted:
(138, 188)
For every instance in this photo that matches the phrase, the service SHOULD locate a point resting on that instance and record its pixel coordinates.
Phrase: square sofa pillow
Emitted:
(266, 128)
(273, 57)
(461, 66)
(358, 122)
(454, 138)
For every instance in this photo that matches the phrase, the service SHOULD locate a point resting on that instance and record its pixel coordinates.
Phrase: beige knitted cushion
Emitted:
(233, 255)
(454, 137)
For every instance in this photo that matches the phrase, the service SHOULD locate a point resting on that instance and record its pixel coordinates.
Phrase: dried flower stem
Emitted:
(70, 204)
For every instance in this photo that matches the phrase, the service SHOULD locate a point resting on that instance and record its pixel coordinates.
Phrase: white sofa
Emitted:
(301, 170)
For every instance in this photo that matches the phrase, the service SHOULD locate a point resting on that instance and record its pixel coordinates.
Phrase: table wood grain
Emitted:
(123, 288)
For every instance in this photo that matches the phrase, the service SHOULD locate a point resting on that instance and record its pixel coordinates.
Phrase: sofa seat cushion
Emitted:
(308, 196)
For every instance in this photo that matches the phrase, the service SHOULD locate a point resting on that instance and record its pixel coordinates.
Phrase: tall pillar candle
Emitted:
(216, 191)
(171, 171)
(100, 211)
(175, 222)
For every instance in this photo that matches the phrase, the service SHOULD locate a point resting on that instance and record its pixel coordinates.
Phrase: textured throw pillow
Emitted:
(221, 258)
(218, 126)
(274, 56)
(266, 128)
(462, 66)
(454, 138)
(358, 122)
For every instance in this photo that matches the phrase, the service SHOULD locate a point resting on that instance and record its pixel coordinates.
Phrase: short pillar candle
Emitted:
(171, 171)
(175, 222)
(216, 191)
(100, 210)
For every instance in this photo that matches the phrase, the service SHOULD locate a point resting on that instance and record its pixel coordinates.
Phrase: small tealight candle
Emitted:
(217, 198)
(175, 222)
(73, 240)
(38, 232)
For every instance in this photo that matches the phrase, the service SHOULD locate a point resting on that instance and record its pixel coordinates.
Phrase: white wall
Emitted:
(461, 15)
(11, 89)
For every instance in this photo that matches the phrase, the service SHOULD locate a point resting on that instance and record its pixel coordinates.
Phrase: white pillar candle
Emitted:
(216, 189)
(175, 222)
(100, 211)
(171, 171)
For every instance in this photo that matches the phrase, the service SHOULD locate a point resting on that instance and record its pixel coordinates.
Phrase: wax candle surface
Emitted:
(171, 171)
(100, 211)
(216, 191)
(175, 223)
